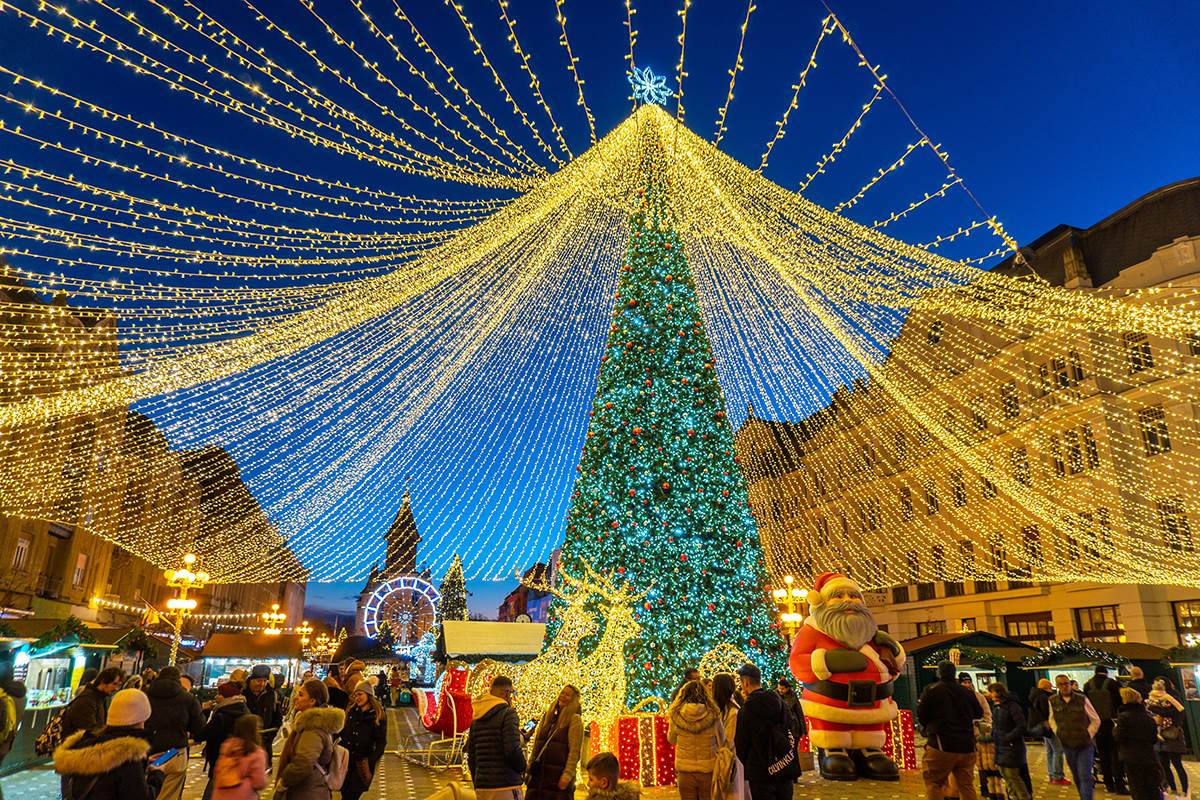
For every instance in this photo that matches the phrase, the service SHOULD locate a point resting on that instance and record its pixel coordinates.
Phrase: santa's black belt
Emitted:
(856, 693)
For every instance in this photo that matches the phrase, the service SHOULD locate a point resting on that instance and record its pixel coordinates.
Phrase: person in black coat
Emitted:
(231, 704)
(1136, 733)
(175, 717)
(365, 737)
(1008, 732)
(947, 712)
(111, 763)
(262, 699)
(88, 711)
(495, 751)
(1138, 682)
(759, 720)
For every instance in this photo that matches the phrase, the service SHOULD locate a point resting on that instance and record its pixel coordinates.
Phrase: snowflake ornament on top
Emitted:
(648, 87)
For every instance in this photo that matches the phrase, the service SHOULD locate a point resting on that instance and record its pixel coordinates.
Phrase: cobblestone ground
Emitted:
(399, 779)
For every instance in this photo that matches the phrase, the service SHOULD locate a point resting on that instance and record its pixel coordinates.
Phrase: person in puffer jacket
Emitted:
(693, 728)
(241, 771)
(1136, 733)
(308, 752)
(495, 753)
(111, 763)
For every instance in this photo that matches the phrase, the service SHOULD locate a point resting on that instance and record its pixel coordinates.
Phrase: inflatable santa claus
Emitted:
(848, 668)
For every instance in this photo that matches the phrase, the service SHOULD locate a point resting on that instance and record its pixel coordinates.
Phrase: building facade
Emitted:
(1101, 424)
(71, 489)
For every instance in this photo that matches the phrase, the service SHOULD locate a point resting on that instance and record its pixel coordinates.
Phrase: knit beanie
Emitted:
(229, 689)
(128, 707)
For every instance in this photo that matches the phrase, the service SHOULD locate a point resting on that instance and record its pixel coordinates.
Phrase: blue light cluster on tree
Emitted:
(659, 499)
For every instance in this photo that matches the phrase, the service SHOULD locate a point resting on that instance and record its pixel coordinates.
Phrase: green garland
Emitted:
(1053, 654)
(976, 658)
(70, 627)
(138, 640)
(7, 631)
(1184, 654)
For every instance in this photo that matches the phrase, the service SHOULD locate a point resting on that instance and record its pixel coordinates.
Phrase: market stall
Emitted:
(224, 653)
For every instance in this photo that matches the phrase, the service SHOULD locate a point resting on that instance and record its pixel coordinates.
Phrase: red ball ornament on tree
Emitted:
(615, 524)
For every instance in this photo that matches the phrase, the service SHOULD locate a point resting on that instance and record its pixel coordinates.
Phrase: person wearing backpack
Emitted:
(241, 770)
(763, 739)
(310, 763)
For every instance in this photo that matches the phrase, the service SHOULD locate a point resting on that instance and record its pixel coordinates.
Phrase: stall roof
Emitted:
(251, 646)
(1010, 650)
(471, 638)
(1130, 651)
(30, 628)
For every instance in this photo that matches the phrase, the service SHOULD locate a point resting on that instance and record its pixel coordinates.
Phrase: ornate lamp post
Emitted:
(274, 619)
(305, 630)
(790, 600)
(184, 580)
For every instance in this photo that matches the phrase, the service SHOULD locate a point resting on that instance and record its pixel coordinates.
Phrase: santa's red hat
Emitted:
(826, 583)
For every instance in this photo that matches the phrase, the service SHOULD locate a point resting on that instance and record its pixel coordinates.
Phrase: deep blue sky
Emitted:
(1052, 113)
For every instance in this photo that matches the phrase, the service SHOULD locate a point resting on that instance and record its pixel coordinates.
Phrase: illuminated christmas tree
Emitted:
(659, 500)
(453, 591)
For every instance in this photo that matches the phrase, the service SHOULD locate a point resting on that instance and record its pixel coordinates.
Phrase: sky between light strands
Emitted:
(1051, 114)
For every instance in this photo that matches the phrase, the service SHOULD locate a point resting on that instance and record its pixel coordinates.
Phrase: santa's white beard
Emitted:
(851, 629)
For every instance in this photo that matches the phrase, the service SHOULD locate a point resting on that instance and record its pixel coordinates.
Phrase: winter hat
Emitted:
(260, 671)
(1045, 683)
(128, 707)
(229, 689)
(826, 583)
(238, 675)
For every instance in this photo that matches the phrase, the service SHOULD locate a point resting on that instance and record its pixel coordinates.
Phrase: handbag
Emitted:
(724, 764)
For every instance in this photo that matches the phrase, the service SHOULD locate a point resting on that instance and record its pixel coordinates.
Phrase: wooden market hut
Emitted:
(987, 656)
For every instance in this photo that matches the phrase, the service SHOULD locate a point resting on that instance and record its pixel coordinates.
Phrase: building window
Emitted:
(1078, 374)
(868, 454)
(1089, 443)
(822, 532)
(900, 594)
(1155, 436)
(1100, 624)
(21, 554)
(926, 591)
(80, 570)
(901, 447)
(936, 329)
(989, 488)
(870, 512)
(1056, 456)
(1019, 459)
(1035, 629)
(1193, 342)
(818, 482)
(1187, 621)
(978, 417)
(1074, 452)
(1137, 352)
(906, 504)
(931, 627)
(1032, 539)
(958, 488)
(1010, 404)
(966, 624)
(999, 556)
(932, 506)
(1172, 518)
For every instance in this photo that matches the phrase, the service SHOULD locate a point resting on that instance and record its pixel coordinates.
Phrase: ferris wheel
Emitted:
(408, 604)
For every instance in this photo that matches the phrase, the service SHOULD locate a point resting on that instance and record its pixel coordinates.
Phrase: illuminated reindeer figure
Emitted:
(558, 664)
(603, 670)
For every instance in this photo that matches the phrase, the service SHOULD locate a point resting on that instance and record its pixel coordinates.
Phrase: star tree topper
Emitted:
(648, 87)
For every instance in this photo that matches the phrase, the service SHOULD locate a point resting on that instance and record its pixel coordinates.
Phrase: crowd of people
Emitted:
(734, 740)
(1133, 734)
(129, 738)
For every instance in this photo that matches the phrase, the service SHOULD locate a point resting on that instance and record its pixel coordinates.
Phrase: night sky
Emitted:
(1052, 113)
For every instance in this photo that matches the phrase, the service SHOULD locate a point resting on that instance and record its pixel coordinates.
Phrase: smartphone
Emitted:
(529, 726)
(163, 758)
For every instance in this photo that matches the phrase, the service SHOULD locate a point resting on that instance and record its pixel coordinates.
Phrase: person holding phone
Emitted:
(111, 763)
(556, 746)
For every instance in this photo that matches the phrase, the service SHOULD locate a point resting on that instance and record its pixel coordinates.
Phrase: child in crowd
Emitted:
(604, 772)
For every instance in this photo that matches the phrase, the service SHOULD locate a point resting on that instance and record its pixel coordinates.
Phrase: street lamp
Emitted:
(274, 619)
(790, 600)
(184, 580)
(305, 630)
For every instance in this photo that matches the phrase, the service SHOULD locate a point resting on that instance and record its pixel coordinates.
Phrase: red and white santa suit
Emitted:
(847, 697)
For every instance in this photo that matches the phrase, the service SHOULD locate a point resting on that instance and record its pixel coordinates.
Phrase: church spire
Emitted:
(402, 540)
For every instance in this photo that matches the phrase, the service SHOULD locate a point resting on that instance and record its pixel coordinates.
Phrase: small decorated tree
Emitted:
(453, 591)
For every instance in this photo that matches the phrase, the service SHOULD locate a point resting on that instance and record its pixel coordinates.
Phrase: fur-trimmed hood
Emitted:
(623, 791)
(99, 755)
(322, 718)
(693, 717)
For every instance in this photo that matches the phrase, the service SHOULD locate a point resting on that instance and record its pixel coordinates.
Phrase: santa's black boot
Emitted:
(871, 763)
(836, 765)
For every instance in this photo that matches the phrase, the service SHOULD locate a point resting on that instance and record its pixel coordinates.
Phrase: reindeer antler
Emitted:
(614, 594)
